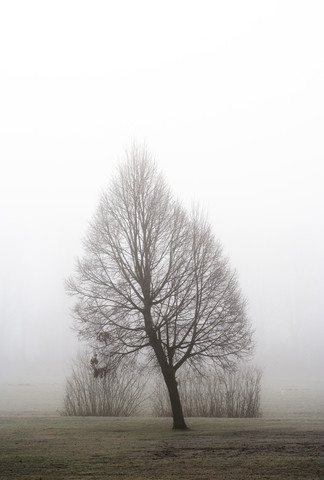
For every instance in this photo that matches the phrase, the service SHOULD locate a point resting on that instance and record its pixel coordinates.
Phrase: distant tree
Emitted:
(153, 279)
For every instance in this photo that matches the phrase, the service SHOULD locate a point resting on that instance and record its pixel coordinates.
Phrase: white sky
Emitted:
(228, 97)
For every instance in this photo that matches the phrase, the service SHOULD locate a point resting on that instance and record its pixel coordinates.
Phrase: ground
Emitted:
(96, 448)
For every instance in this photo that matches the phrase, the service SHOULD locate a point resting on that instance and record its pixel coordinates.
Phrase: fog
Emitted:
(228, 98)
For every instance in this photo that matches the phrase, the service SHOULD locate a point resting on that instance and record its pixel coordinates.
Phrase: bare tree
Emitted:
(114, 391)
(153, 279)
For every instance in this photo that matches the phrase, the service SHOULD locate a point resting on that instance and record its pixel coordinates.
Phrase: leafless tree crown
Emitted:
(154, 276)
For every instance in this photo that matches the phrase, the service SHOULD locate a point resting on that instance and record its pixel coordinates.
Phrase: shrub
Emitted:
(115, 391)
(220, 393)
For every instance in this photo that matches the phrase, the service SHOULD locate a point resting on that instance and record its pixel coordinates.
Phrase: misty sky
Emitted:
(227, 96)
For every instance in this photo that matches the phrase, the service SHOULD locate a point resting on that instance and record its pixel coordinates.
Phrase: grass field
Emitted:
(51, 448)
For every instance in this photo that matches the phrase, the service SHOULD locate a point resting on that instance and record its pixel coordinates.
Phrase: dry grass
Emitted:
(51, 448)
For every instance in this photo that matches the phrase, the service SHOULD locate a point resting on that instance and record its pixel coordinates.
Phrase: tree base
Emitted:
(181, 426)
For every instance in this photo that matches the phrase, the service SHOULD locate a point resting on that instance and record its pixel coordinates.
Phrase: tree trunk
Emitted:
(177, 412)
(168, 373)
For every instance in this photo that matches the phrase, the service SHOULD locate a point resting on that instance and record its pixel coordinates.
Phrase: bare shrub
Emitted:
(117, 391)
(220, 393)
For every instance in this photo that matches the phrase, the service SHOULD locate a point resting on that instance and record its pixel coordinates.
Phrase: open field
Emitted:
(96, 448)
